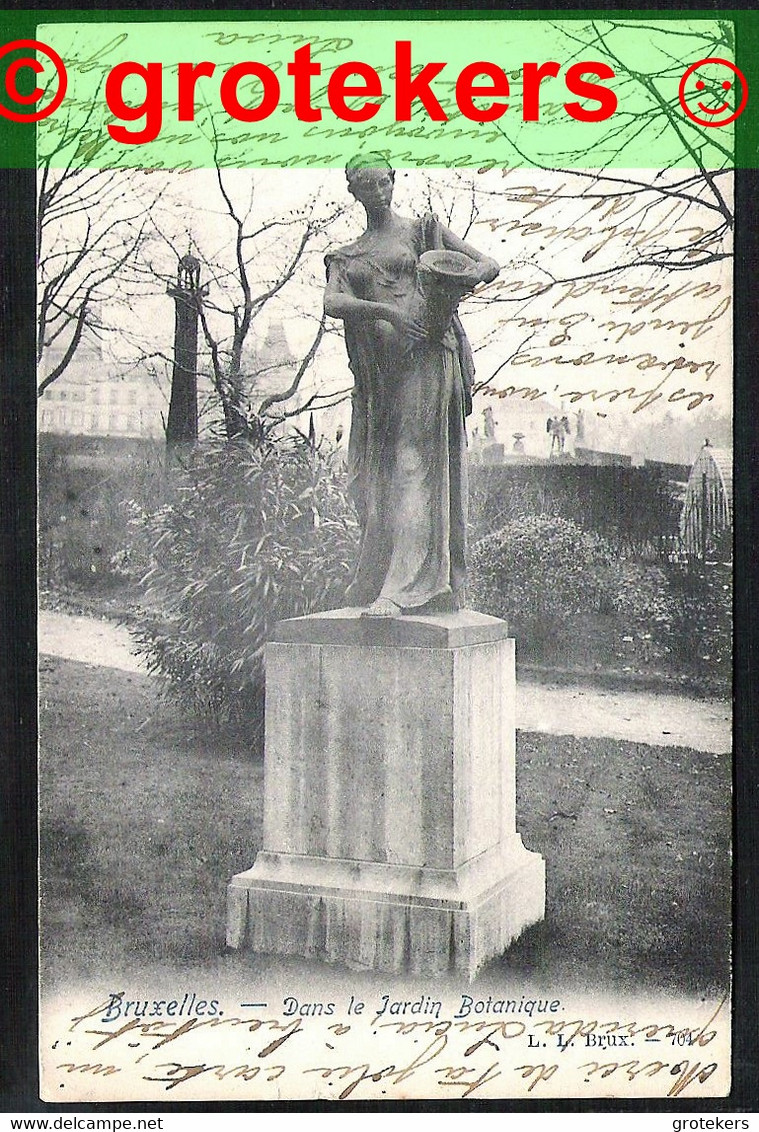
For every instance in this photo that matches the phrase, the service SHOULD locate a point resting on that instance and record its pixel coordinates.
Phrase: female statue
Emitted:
(413, 374)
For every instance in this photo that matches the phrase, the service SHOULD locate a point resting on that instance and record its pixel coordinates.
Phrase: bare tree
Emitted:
(250, 257)
(691, 178)
(90, 225)
(607, 219)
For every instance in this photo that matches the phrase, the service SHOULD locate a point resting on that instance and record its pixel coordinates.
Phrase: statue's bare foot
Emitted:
(382, 607)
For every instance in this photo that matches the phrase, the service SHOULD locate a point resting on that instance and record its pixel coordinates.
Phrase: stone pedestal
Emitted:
(390, 837)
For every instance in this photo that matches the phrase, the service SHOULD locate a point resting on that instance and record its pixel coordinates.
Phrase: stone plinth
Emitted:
(390, 837)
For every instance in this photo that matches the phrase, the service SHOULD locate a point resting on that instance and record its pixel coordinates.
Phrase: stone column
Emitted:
(182, 422)
(390, 836)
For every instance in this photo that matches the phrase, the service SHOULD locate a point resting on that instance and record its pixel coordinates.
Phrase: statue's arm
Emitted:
(338, 303)
(488, 268)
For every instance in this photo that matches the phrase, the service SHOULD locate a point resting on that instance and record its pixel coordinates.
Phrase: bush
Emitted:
(254, 535)
(645, 608)
(635, 510)
(702, 620)
(642, 594)
(86, 487)
(551, 580)
(537, 571)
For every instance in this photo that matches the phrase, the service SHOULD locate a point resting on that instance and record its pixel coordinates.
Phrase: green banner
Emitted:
(593, 91)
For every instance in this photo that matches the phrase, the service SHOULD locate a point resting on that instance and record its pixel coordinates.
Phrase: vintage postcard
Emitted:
(385, 529)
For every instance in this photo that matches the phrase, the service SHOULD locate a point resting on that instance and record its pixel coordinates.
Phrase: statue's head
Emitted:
(370, 179)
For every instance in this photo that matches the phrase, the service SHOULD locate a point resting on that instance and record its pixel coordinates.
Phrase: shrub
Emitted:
(538, 570)
(86, 485)
(702, 619)
(642, 593)
(636, 510)
(645, 608)
(254, 534)
(545, 575)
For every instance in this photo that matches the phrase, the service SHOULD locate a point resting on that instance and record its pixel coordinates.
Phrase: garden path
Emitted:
(664, 720)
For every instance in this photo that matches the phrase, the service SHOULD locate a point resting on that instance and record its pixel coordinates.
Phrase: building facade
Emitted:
(88, 399)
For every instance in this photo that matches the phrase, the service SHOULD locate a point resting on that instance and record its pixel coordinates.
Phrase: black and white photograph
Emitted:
(385, 581)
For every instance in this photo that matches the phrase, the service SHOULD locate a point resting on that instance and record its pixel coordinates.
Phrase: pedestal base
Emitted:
(387, 917)
(389, 797)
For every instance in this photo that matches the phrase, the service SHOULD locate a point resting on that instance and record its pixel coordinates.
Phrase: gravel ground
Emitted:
(643, 717)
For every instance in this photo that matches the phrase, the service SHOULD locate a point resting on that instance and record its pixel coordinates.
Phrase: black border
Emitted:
(19, 1087)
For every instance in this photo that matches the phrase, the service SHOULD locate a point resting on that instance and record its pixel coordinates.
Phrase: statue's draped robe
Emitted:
(407, 450)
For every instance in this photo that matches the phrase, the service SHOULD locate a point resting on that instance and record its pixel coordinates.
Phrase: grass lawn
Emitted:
(145, 815)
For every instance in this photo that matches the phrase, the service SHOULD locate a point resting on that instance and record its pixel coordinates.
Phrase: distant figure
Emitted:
(558, 429)
(475, 448)
(489, 424)
(338, 459)
(580, 427)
